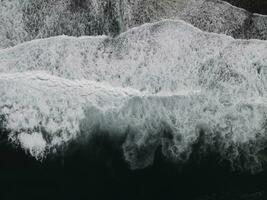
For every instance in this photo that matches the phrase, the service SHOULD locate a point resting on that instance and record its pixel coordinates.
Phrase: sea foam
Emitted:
(161, 85)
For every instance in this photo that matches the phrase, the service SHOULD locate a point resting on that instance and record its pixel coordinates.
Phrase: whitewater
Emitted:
(161, 85)
(27, 20)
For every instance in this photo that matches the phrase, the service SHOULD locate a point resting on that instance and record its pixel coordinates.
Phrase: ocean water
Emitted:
(175, 108)
(104, 174)
(26, 20)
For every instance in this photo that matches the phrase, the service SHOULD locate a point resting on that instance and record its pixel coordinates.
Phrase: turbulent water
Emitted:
(140, 99)
(26, 20)
(165, 84)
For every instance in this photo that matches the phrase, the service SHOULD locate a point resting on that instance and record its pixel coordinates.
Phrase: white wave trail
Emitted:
(133, 87)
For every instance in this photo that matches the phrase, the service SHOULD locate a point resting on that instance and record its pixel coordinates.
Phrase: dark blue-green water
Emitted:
(98, 171)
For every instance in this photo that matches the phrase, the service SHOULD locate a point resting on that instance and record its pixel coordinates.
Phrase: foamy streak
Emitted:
(227, 79)
(208, 15)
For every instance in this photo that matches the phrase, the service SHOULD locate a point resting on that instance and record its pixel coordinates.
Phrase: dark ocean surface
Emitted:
(103, 174)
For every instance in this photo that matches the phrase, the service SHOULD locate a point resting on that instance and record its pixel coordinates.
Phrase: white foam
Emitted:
(208, 15)
(33, 142)
(134, 86)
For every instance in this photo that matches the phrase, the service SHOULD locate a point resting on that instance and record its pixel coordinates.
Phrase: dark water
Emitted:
(98, 171)
(255, 6)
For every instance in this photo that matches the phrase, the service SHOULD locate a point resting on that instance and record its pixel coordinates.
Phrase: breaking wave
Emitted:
(165, 85)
